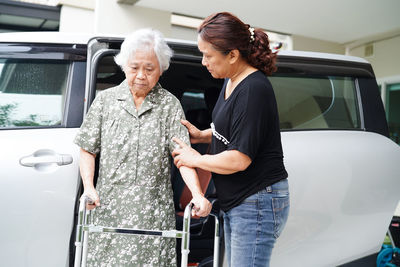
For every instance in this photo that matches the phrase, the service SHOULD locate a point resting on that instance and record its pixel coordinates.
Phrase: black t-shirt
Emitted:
(248, 122)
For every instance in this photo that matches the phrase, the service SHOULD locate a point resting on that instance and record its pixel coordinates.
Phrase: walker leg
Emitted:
(217, 236)
(78, 254)
(81, 235)
(85, 248)
(186, 236)
(85, 239)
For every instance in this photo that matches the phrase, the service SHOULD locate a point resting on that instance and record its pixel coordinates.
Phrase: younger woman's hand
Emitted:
(184, 155)
(194, 132)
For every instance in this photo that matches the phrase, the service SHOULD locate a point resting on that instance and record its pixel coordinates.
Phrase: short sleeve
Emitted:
(176, 129)
(89, 134)
(249, 120)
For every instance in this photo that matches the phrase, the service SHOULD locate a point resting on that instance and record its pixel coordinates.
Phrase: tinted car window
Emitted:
(195, 108)
(316, 102)
(32, 92)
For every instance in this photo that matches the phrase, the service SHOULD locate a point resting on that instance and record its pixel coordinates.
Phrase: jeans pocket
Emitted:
(280, 209)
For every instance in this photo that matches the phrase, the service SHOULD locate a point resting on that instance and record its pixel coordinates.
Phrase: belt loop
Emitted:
(269, 189)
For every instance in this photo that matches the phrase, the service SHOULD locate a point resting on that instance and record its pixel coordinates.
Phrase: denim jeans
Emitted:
(252, 228)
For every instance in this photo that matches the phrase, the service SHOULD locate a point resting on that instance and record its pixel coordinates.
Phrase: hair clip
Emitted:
(251, 30)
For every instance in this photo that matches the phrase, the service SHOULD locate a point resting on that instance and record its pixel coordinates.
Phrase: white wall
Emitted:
(183, 33)
(386, 57)
(303, 43)
(110, 17)
(70, 23)
(114, 18)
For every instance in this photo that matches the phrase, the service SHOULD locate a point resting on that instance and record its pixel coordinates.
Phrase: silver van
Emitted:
(343, 169)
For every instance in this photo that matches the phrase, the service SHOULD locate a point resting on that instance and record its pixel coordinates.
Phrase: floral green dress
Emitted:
(134, 177)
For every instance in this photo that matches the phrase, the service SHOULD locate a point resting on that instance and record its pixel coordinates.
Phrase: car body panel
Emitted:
(343, 189)
(37, 203)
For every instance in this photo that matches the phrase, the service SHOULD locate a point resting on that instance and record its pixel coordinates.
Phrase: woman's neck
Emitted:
(138, 98)
(242, 72)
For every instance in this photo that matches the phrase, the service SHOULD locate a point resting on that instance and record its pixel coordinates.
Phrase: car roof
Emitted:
(47, 37)
(84, 38)
(318, 55)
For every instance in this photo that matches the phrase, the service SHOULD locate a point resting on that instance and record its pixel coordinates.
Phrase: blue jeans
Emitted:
(252, 228)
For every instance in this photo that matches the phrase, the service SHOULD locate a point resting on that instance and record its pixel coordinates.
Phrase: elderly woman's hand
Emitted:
(202, 207)
(91, 193)
(184, 155)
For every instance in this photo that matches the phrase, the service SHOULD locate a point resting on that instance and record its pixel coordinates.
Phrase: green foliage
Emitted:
(32, 121)
(6, 118)
(5, 111)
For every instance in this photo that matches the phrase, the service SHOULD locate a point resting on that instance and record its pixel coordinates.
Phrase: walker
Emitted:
(84, 227)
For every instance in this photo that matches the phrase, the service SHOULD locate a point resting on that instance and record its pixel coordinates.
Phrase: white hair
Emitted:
(145, 39)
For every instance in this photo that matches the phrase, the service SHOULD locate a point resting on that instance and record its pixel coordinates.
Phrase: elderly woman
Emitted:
(131, 126)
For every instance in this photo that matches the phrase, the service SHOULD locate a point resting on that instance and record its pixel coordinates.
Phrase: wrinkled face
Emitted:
(142, 71)
(216, 62)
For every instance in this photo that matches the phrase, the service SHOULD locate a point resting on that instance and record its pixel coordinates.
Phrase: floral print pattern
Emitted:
(134, 176)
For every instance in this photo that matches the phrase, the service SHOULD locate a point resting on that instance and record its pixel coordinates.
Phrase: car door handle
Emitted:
(45, 157)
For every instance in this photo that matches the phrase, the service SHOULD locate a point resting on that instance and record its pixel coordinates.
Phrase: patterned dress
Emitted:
(134, 177)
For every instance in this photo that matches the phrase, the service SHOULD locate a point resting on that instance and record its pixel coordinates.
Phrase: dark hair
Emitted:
(226, 32)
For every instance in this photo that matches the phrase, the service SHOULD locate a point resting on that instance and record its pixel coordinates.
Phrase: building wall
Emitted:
(123, 18)
(69, 23)
(302, 43)
(386, 56)
(110, 17)
(183, 33)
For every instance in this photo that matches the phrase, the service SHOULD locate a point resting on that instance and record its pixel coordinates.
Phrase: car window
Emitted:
(195, 108)
(316, 102)
(32, 92)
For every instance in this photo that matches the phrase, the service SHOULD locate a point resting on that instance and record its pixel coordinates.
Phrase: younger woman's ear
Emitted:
(233, 55)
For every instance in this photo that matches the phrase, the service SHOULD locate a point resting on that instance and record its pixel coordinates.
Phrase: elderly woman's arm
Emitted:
(202, 206)
(87, 165)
